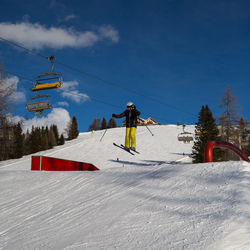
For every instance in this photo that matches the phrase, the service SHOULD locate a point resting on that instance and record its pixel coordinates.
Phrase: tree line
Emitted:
(231, 128)
(99, 124)
(15, 144)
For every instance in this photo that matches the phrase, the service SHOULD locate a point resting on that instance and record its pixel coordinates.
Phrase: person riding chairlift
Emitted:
(131, 114)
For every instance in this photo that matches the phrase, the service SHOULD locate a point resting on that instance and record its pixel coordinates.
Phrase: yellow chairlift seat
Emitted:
(44, 86)
(38, 106)
(48, 80)
(185, 137)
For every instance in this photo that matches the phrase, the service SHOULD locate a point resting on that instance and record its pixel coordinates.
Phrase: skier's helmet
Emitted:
(130, 104)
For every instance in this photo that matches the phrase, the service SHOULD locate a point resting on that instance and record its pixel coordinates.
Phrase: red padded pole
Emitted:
(222, 144)
(209, 151)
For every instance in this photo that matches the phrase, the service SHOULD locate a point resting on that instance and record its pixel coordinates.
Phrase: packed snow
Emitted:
(156, 199)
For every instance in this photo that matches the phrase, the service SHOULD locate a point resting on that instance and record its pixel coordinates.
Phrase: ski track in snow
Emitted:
(153, 200)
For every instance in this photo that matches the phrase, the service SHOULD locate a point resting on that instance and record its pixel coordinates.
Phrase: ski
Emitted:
(130, 149)
(122, 147)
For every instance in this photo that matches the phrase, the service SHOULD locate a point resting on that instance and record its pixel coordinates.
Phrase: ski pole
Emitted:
(103, 134)
(149, 130)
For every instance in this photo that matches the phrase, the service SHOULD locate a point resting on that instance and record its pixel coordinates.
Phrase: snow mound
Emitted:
(156, 199)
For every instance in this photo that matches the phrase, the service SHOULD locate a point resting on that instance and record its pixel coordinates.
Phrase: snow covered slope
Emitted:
(153, 200)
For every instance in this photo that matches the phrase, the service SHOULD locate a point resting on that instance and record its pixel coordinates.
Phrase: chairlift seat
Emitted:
(185, 137)
(38, 106)
(48, 80)
(44, 86)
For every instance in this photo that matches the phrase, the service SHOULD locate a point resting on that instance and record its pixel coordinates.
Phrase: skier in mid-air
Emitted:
(131, 114)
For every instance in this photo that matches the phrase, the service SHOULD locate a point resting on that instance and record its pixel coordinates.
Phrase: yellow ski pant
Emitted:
(130, 140)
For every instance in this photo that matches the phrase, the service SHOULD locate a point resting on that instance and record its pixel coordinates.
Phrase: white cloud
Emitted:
(63, 104)
(69, 91)
(70, 85)
(20, 97)
(70, 17)
(107, 31)
(76, 96)
(37, 36)
(58, 116)
(12, 83)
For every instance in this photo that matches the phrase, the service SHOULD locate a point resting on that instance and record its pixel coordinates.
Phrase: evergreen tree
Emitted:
(112, 123)
(205, 130)
(45, 139)
(18, 141)
(95, 125)
(98, 124)
(104, 124)
(92, 126)
(55, 129)
(39, 139)
(47, 135)
(73, 129)
(52, 138)
(34, 141)
(61, 140)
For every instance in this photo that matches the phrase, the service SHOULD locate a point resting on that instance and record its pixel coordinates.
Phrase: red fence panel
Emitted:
(36, 163)
(44, 163)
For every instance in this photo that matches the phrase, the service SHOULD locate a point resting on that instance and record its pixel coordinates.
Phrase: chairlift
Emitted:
(38, 106)
(48, 80)
(185, 136)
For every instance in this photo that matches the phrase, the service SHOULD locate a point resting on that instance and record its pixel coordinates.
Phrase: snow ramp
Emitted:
(44, 163)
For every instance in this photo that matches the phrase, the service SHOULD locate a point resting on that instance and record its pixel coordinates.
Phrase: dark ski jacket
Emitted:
(131, 117)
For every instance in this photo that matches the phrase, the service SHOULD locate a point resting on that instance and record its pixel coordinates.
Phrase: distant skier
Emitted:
(131, 114)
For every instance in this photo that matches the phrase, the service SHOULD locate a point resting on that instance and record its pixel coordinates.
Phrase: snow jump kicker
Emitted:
(44, 163)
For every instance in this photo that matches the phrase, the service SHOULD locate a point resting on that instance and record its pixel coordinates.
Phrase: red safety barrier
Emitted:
(222, 144)
(44, 163)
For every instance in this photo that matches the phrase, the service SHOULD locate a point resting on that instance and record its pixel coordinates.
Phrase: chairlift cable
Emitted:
(22, 77)
(81, 95)
(69, 92)
(22, 47)
(99, 78)
(124, 88)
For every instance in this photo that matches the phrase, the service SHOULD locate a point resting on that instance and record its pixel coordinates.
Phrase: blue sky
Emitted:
(180, 52)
